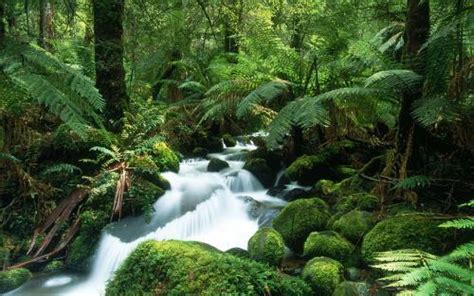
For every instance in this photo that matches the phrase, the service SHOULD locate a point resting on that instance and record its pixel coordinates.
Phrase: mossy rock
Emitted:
(238, 252)
(267, 245)
(260, 169)
(354, 225)
(328, 244)
(299, 218)
(200, 152)
(186, 268)
(165, 158)
(217, 165)
(361, 201)
(347, 288)
(272, 157)
(308, 169)
(12, 279)
(213, 144)
(346, 171)
(80, 252)
(229, 141)
(54, 266)
(326, 187)
(410, 231)
(323, 275)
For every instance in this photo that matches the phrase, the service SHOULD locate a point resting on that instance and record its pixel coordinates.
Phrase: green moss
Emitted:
(299, 218)
(267, 245)
(186, 268)
(354, 225)
(217, 165)
(12, 279)
(260, 169)
(323, 275)
(360, 201)
(328, 244)
(54, 266)
(347, 288)
(165, 158)
(200, 152)
(229, 141)
(241, 253)
(346, 171)
(80, 252)
(326, 187)
(411, 231)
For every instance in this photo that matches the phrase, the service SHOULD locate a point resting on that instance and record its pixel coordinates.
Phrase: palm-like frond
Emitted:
(263, 94)
(430, 112)
(395, 81)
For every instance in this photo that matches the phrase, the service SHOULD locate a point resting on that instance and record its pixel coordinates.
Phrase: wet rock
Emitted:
(289, 194)
(200, 152)
(260, 169)
(347, 288)
(217, 165)
(266, 219)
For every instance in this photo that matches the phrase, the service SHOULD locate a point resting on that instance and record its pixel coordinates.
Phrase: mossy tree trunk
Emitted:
(109, 52)
(45, 24)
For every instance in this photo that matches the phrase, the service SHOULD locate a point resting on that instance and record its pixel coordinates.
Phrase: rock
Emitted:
(186, 268)
(353, 274)
(54, 266)
(267, 245)
(266, 218)
(328, 244)
(410, 231)
(217, 165)
(299, 218)
(259, 168)
(213, 144)
(238, 252)
(360, 201)
(273, 158)
(354, 225)
(347, 288)
(288, 194)
(229, 141)
(14, 278)
(254, 208)
(200, 152)
(165, 158)
(323, 275)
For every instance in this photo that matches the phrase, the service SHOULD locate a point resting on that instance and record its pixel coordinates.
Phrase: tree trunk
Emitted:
(230, 40)
(409, 133)
(45, 24)
(109, 51)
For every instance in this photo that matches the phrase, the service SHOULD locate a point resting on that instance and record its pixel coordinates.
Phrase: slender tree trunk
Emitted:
(409, 133)
(45, 24)
(109, 51)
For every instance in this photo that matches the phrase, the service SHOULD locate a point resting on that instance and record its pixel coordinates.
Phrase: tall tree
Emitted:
(417, 30)
(2, 23)
(45, 24)
(109, 52)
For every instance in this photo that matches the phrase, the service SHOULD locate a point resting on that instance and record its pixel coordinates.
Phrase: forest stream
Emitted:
(220, 209)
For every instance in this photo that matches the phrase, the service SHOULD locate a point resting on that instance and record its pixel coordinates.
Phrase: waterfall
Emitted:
(208, 207)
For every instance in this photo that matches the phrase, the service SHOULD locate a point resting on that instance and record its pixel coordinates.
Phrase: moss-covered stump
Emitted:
(354, 225)
(299, 218)
(229, 141)
(267, 245)
(200, 152)
(323, 275)
(260, 169)
(410, 231)
(328, 244)
(186, 268)
(12, 279)
(217, 165)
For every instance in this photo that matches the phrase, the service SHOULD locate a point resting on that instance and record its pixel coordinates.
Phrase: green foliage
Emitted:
(298, 219)
(80, 252)
(413, 182)
(354, 225)
(415, 230)
(175, 267)
(328, 244)
(13, 279)
(360, 201)
(323, 275)
(165, 158)
(267, 245)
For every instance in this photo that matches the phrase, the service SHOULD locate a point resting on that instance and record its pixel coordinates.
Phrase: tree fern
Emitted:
(264, 93)
(395, 80)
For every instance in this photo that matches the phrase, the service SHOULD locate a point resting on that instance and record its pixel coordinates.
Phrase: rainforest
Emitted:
(237, 147)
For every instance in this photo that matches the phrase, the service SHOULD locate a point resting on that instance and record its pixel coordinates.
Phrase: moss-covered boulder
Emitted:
(323, 275)
(241, 253)
(54, 266)
(217, 165)
(410, 231)
(267, 245)
(200, 152)
(260, 169)
(354, 225)
(328, 244)
(229, 141)
(299, 218)
(308, 169)
(361, 201)
(12, 279)
(165, 158)
(347, 288)
(186, 268)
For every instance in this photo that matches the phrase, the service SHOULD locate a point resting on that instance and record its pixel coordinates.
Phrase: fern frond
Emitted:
(61, 168)
(413, 182)
(395, 80)
(264, 93)
(463, 223)
(432, 111)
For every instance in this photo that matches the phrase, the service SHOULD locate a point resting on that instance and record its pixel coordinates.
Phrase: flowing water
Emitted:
(221, 209)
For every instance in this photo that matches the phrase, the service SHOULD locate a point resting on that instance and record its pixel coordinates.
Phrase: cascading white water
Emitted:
(208, 207)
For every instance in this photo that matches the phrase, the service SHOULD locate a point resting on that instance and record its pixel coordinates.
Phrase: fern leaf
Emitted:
(264, 93)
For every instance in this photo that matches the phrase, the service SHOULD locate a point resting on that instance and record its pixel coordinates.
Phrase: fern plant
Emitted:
(414, 272)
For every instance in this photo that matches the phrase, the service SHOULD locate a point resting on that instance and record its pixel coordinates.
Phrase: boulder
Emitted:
(217, 165)
(354, 225)
(347, 288)
(229, 141)
(299, 218)
(187, 268)
(200, 152)
(323, 275)
(259, 168)
(14, 278)
(267, 245)
(328, 244)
